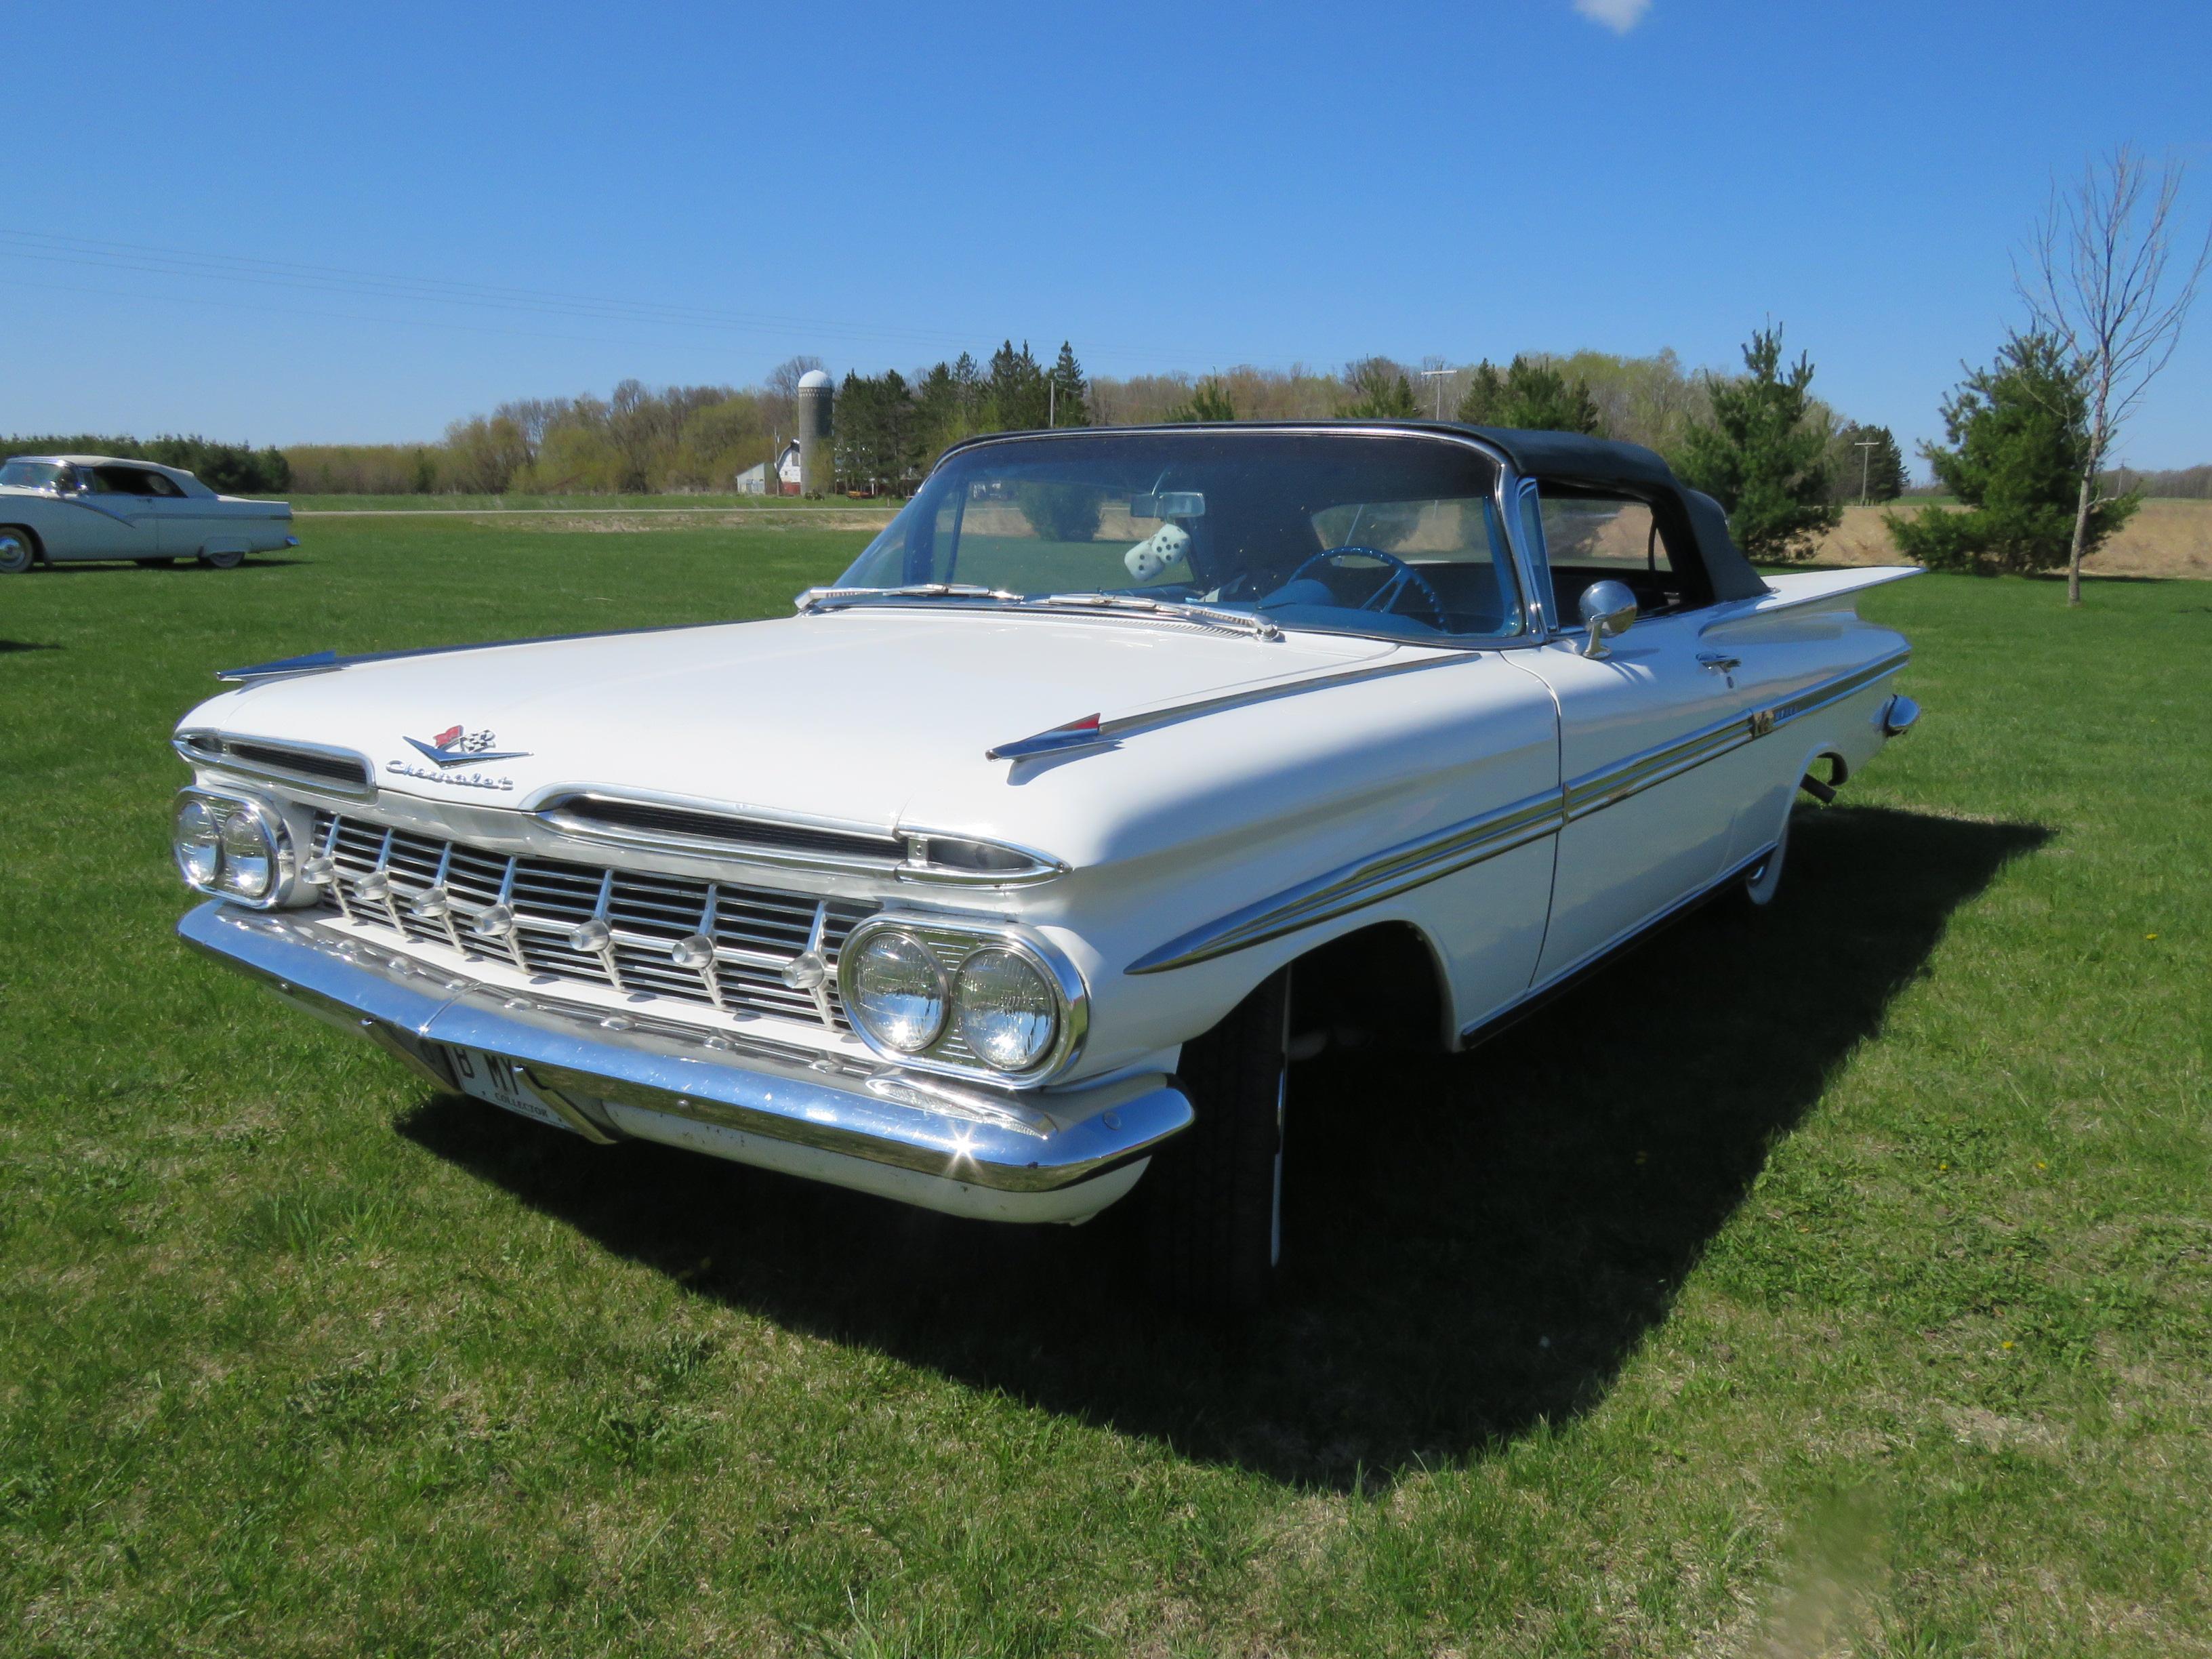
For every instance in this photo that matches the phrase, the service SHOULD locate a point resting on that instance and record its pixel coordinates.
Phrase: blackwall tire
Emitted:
(223, 561)
(18, 552)
(1213, 1199)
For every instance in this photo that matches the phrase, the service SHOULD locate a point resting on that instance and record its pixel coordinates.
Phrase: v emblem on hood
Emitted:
(455, 747)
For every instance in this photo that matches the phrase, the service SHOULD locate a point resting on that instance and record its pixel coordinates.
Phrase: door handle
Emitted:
(1719, 661)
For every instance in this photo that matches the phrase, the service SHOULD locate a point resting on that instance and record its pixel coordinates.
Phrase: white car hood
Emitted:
(847, 715)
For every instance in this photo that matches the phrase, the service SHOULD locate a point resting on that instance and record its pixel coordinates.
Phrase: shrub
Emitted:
(2019, 438)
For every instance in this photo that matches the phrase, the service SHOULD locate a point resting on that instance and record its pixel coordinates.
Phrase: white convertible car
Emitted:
(1008, 875)
(58, 508)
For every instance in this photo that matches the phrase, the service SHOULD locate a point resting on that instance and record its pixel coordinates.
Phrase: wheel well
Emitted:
(1381, 985)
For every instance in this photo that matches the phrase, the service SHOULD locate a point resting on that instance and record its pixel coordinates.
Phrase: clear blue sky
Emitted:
(1170, 186)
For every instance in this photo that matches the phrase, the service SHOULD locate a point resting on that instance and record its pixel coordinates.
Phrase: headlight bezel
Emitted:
(953, 941)
(263, 815)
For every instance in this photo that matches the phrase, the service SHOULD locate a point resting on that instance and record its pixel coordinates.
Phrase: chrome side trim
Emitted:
(1412, 863)
(1813, 698)
(1351, 887)
(1609, 784)
(1616, 782)
(875, 1115)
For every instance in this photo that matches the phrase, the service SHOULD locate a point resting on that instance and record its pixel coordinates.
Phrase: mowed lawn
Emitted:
(1834, 1279)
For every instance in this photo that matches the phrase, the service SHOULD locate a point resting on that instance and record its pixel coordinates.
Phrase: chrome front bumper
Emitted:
(1051, 1155)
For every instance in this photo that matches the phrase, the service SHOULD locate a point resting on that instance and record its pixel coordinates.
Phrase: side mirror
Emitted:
(1607, 609)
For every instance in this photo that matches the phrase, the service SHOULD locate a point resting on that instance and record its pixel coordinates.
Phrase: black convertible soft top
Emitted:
(1695, 523)
(1571, 459)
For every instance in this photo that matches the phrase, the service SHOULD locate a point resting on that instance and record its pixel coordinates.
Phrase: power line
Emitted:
(146, 259)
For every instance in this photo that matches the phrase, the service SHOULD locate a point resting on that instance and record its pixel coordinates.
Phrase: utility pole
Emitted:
(1865, 446)
(1439, 375)
(1052, 403)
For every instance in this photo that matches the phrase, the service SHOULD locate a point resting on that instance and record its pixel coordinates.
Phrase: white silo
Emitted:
(816, 467)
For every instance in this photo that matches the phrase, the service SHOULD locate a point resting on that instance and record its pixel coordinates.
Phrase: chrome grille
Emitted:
(758, 933)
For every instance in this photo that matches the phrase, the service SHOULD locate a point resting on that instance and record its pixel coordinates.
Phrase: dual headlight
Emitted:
(234, 847)
(952, 998)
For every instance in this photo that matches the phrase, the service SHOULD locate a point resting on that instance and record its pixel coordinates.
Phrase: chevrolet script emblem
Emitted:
(454, 747)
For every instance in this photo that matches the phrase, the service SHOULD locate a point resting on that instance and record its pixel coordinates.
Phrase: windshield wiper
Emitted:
(1226, 622)
(815, 598)
(1205, 616)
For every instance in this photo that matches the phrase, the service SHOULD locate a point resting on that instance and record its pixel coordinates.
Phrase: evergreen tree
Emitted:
(878, 441)
(1873, 474)
(1380, 391)
(1764, 455)
(936, 408)
(1070, 404)
(2019, 438)
(948, 404)
(1531, 395)
(1209, 401)
(1015, 396)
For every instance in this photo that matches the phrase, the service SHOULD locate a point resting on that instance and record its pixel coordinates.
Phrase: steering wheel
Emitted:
(1384, 599)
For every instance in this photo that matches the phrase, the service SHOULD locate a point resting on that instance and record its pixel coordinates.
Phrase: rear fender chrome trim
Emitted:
(1412, 863)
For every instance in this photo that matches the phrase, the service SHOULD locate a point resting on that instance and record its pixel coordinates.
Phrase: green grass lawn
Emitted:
(1837, 1279)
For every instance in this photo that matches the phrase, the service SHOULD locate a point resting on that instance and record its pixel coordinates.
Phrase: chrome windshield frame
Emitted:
(1536, 627)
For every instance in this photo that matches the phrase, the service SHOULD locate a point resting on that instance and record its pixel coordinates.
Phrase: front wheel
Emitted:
(17, 552)
(1213, 1197)
(229, 561)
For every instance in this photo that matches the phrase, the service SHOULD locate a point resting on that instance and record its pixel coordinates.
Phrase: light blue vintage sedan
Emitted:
(58, 508)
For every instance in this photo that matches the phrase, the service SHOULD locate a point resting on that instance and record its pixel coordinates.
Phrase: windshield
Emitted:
(30, 475)
(1340, 532)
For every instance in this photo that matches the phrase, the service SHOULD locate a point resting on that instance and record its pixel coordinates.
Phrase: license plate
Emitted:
(489, 1078)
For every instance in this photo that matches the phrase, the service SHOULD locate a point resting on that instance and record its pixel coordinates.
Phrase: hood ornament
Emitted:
(1085, 734)
(456, 747)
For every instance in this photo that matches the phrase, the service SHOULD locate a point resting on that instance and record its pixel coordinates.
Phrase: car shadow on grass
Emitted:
(9, 646)
(1478, 1241)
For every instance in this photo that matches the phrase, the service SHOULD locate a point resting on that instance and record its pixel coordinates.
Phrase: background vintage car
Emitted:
(62, 508)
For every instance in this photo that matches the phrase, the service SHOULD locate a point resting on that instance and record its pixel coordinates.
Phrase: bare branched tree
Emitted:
(2101, 280)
